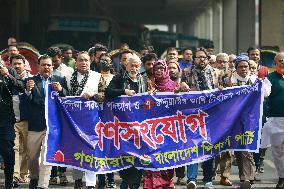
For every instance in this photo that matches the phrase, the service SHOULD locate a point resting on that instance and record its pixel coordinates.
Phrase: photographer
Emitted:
(9, 81)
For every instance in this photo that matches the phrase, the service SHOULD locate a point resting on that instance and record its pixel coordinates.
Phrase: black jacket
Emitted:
(7, 85)
(36, 102)
(121, 82)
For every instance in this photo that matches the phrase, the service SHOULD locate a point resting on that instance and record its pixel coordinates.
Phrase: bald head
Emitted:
(279, 60)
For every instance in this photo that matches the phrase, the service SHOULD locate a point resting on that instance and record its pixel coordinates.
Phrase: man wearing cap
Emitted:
(273, 130)
(245, 161)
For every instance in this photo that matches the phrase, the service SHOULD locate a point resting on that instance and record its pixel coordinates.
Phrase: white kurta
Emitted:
(92, 82)
(273, 129)
(273, 135)
(91, 86)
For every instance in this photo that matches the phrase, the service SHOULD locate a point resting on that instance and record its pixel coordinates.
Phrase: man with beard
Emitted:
(222, 60)
(67, 59)
(128, 83)
(174, 70)
(95, 54)
(201, 77)
(83, 82)
(273, 130)
(244, 159)
(148, 61)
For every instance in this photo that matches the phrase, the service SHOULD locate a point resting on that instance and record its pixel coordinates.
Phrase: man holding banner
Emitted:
(36, 88)
(84, 82)
(128, 83)
(245, 161)
(153, 132)
(201, 77)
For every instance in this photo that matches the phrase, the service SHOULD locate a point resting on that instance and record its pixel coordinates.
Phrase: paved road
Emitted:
(269, 178)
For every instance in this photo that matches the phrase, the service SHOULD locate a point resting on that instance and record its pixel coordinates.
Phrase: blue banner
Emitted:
(152, 132)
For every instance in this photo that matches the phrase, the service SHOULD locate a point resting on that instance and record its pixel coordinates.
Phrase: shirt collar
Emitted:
(42, 78)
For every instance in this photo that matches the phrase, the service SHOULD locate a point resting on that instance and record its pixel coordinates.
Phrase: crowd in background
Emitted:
(98, 74)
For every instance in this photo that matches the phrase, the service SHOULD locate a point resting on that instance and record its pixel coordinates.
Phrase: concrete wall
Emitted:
(217, 33)
(272, 23)
(230, 26)
(245, 25)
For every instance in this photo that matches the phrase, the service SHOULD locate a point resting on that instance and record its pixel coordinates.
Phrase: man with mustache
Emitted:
(244, 159)
(128, 83)
(21, 170)
(84, 82)
(36, 91)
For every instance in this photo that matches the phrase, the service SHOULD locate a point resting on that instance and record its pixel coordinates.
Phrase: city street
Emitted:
(269, 178)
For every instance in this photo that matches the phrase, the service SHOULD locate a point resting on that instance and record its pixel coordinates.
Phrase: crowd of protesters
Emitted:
(96, 74)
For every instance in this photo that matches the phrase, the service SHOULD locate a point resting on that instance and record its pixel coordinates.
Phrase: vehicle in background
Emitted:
(187, 41)
(205, 43)
(267, 54)
(82, 32)
(135, 35)
(161, 40)
(29, 52)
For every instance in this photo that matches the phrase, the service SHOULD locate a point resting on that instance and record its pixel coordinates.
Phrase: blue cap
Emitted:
(241, 57)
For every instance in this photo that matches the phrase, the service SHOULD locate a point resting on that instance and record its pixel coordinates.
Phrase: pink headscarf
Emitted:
(164, 84)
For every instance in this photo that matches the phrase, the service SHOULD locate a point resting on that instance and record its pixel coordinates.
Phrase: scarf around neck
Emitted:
(76, 87)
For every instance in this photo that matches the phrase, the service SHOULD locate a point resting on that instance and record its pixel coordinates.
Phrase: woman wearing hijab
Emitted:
(162, 80)
(161, 83)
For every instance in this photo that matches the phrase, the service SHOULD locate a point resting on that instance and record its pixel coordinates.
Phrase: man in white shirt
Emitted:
(84, 82)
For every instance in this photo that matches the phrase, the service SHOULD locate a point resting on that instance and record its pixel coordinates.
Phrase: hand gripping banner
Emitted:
(152, 132)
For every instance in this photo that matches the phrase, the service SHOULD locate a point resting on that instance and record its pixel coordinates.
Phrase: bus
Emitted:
(81, 32)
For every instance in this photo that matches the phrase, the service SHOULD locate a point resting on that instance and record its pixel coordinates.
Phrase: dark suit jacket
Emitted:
(36, 102)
